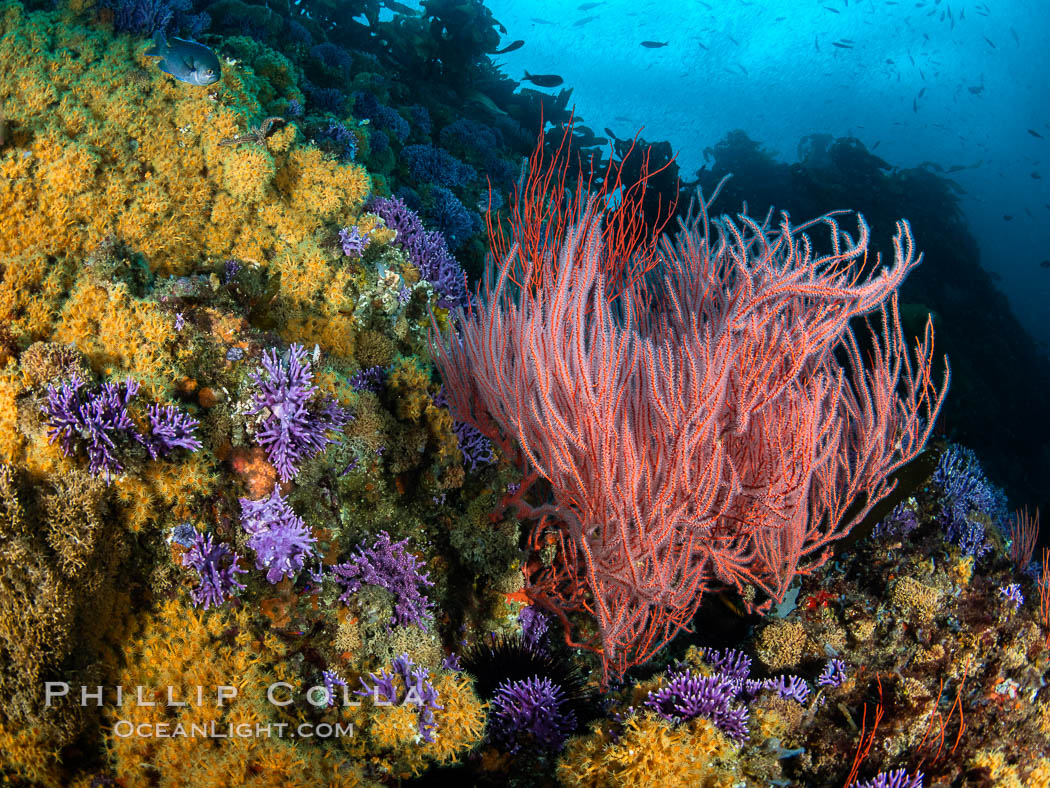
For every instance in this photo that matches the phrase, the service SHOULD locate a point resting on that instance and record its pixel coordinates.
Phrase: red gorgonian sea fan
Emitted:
(705, 425)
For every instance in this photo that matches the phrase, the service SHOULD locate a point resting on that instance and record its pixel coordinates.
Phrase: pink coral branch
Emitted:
(696, 429)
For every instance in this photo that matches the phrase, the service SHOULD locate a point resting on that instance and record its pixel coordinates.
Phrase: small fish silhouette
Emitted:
(510, 47)
(655, 44)
(543, 80)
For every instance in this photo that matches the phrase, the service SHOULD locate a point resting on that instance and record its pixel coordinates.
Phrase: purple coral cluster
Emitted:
(476, 448)
(170, 429)
(352, 242)
(833, 675)
(145, 17)
(278, 536)
(217, 569)
(389, 565)
(296, 423)
(531, 714)
(689, 695)
(416, 689)
(370, 379)
(427, 164)
(968, 501)
(899, 523)
(97, 421)
(534, 626)
(427, 251)
(721, 696)
(899, 778)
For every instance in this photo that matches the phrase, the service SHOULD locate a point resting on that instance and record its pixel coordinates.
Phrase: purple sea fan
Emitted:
(217, 568)
(689, 695)
(97, 420)
(389, 565)
(531, 713)
(170, 429)
(278, 536)
(296, 423)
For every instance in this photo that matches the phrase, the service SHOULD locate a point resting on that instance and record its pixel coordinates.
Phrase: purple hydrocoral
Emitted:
(689, 695)
(332, 680)
(426, 250)
(534, 626)
(278, 536)
(899, 778)
(145, 17)
(968, 501)
(296, 423)
(476, 448)
(789, 687)
(418, 690)
(97, 420)
(733, 663)
(427, 164)
(389, 565)
(370, 379)
(170, 429)
(217, 567)
(352, 242)
(833, 675)
(531, 714)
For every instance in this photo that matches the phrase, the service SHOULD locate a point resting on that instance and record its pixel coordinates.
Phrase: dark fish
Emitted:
(816, 45)
(780, 19)
(510, 47)
(702, 46)
(976, 89)
(890, 61)
(1016, 39)
(583, 21)
(1035, 133)
(1007, 217)
(609, 133)
(832, 10)
(921, 92)
(588, 6)
(539, 21)
(873, 147)
(840, 45)
(1045, 264)
(847, 41)
(544, 80)
(655, 44)
(187, 61)
(1036, 176)
(990, 42)
(914, 105)
(735, 42)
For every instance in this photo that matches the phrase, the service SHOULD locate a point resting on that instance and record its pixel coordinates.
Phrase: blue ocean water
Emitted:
(957, 84)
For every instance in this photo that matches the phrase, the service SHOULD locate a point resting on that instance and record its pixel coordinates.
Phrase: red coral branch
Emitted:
(696, 426)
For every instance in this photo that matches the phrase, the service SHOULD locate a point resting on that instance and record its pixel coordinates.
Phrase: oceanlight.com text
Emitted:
(273, 730)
